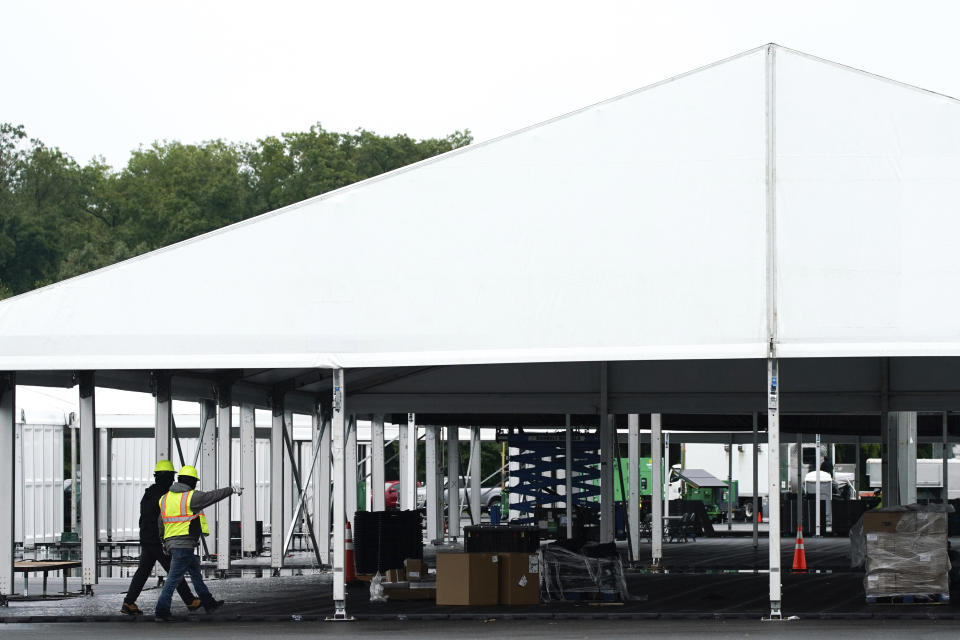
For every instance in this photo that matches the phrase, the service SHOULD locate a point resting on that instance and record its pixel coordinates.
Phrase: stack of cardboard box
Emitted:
(488, 578)
(906, 553)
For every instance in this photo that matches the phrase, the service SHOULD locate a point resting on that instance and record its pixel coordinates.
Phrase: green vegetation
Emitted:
(59, 219)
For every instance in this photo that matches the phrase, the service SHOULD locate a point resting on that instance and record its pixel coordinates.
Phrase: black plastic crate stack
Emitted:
(382, 540)
(501, 538)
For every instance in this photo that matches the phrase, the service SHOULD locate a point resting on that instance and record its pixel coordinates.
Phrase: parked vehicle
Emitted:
(391, 493)
(489, 496)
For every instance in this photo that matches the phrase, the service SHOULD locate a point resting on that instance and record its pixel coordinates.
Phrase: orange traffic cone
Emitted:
(759, 517)
(799, 556)
(349, 566)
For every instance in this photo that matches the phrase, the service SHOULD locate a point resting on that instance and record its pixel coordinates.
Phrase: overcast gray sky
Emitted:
(102, 78)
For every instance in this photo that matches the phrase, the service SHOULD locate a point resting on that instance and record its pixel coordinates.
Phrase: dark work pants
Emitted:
(149, 555)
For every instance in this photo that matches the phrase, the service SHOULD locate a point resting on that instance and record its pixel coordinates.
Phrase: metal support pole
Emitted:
(606, 462)
(339, 496)
(756, 481)
(666, 474)
(568, 475)
(323, 488)
(8, 443)
(434, 526)
(656, 489)
(206, 455)
(906, 430)
(379, 463)
(773, 483)
(163, 416)
(945, 473)
(90, 476)
(106, 469)
(277, 521)
(856, 474)
(224, 477)
(74, 494)
(730, 485)
(816, 496)
(633, 478)
(800, 487)
(288, 468)
(453, 482)
(248, 479)
(350, 463)
(408, 463)
(475, 471)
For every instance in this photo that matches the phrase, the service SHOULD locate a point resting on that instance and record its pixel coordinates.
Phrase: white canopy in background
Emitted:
(635, 229)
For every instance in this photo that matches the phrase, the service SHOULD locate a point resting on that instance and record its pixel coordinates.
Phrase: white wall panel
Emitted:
(39, 477)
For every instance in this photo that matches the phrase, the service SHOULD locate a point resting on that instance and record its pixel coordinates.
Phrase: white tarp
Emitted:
(633, 229)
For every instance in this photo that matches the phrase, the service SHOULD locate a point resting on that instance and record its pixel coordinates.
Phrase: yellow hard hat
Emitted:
(189, 470)
(163, 465)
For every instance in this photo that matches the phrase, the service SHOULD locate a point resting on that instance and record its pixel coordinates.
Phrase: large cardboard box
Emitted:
(467, 578)
(519, 578)
(415, 569)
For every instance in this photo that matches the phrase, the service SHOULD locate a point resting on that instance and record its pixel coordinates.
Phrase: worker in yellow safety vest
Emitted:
(181, 523)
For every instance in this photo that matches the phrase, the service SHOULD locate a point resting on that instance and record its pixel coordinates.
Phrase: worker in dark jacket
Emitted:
(151, 547)
(180, 525)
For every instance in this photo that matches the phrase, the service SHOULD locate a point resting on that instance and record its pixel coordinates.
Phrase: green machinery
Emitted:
(697, 485)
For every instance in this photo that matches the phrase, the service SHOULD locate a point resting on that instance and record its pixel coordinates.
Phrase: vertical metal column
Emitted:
(74, 494)
(856, 473)
(800, 486)
(656, 490)
(208, 462)
(475, 471)
(8, 443)
(105, 465)
(606, 462)
(163, 416)
(248, 479)
(453, 482)
(816, 495)
(633, 478)
(408, 464)
(323, 486)
(730, 486)
(945, 473)
(434, 525)
(568, 475)
(666, 474)
(277, 489)
(773, 483)
(906, 430)
(338, 439)
(224, 476)
(403, 450)
(89, 478)
(379, 463)
(756, 480)
(289, 487)
(350, 463)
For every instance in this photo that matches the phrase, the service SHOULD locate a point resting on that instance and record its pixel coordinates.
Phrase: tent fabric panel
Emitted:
(629, 230)
(868, 186)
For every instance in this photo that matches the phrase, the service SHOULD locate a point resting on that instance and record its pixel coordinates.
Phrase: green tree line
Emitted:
(60, 218)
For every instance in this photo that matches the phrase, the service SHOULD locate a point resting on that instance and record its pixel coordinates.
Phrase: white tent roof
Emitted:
(635, 229)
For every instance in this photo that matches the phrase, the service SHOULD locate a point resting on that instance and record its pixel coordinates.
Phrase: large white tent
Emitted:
(661, 251)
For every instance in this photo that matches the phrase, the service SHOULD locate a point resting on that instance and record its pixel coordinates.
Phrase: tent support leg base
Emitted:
(339, 612)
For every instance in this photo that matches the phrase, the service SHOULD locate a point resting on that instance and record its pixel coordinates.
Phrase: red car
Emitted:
(392, 494)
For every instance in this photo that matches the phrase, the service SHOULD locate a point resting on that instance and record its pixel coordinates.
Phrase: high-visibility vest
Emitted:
(177, 515)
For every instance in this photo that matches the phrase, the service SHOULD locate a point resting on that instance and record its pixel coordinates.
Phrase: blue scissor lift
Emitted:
(539, 455)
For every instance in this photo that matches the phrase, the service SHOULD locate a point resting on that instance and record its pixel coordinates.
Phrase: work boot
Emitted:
(212, 605)
(163, 616)
(131, 609)
(195, 604)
